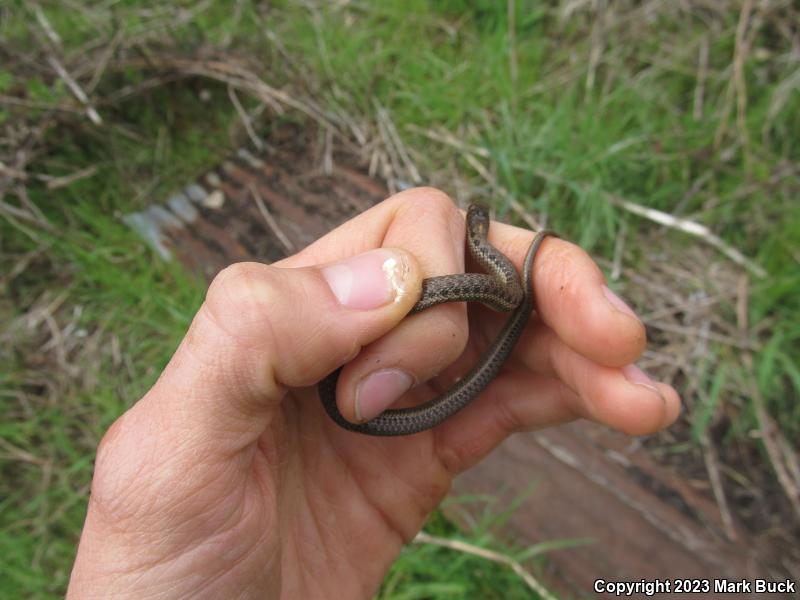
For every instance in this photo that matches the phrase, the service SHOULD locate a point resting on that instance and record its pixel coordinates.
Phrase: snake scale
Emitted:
(499, 289)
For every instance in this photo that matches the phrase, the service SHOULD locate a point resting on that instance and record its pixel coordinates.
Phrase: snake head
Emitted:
(478, 220)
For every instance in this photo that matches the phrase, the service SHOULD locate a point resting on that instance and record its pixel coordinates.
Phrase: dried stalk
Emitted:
(496, 557)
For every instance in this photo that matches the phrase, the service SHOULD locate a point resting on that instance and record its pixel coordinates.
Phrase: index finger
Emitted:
(573, 299)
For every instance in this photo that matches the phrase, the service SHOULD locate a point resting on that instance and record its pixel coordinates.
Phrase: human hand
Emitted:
(228, 479)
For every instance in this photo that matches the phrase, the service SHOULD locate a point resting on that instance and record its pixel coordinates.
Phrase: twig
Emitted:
(21, 265)
(513, 62)
(248, 125)
(233, 26)
(14, 101)
(327, 153)
(672, 310)
(783, 459)
(171, 17)
(270, 220)
(735, 87)
(394, 146)
(104, 59)
(690, 331)
(619, 251)
(711, 459)
(702, 75)
(398, 143)
(44, 23)
(710, 455)
(76, 90)
(54, 183)
(239, 77)
(19, 454)
(696, 186)
(496, 557)
(690, 227)
(45, 305)
(740, 53)
(781, 456)
(56, 341)
(518, 209)
(469, 151)
(445, 137)
(792, 461)
(130, 90)
(31, 215)
(13, 173)
(597, 45)
(24, 198)
(390, 166)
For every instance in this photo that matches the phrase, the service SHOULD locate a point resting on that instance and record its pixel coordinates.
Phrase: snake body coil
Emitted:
(500, 291)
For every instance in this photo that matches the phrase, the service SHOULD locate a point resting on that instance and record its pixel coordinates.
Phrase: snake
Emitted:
(500, 289)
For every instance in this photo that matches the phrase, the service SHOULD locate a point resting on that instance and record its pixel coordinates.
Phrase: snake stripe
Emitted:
(501, 290)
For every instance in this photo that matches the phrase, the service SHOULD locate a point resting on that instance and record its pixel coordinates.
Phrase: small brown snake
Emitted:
(500, 291)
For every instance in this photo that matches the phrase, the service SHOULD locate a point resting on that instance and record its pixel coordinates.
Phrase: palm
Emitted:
(347, 501)
(337, 485)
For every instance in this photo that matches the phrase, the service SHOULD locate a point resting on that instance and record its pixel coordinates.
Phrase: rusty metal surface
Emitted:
(643, 521)
(578, 485)
(255, 207)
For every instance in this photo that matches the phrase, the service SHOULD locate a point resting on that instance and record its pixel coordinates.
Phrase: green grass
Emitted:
(119, 294)
(125, 298)
(430, 571)
(560, 137)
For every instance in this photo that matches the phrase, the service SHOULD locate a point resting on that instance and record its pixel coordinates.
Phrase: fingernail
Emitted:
(638, 377)
(368, 280)
(378, 391)
(618, 303)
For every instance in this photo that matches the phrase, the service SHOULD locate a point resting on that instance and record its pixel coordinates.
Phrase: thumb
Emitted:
(262, 329)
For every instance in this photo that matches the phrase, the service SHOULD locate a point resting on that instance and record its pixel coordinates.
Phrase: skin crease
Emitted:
(228, 480)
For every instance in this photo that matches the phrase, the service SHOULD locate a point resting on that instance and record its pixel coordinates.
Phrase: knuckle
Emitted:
(508, 418)
(562, 271)
(433, 224)
(426, 196)
(243, 283)
(574, 262)
(112, 485)
(275, 313)
(429, 205)
(244, 296)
